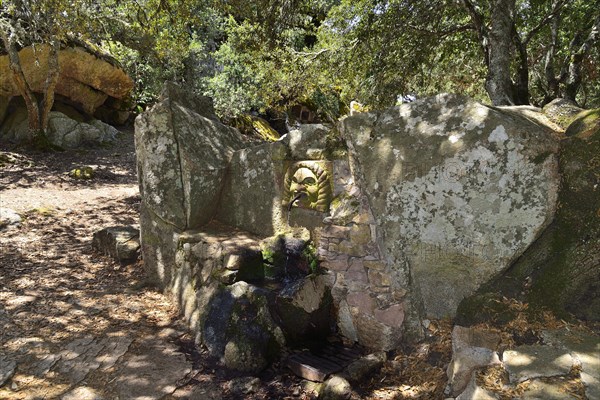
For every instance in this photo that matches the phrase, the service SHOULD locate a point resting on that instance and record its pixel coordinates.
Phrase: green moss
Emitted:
(585, 124)
(484, 307)
(310, 254)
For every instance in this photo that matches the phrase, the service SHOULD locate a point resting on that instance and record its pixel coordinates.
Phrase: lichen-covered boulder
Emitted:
(562, 111)
(459, 191)
(183, 152)
(585, 124)
(252, 190)
(561, 270)
(238, 328)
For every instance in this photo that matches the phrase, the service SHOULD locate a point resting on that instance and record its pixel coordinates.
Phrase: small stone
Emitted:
(9, 218)
(244, 385)
(374, 264)
(365, 366)
(377, 278)
(120, 242)
(391, 316)
(336, 388)
(360, 234)
(7, 370)
(312, 387)
(467, 356)
(82, 393)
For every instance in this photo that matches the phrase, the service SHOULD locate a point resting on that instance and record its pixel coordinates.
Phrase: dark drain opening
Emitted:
(317, 364)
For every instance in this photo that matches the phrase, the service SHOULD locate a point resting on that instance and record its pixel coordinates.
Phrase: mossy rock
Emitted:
(82, 173)
(484, 307)
(562, 111)
(256, 126)
(237, 328)
(585, 124)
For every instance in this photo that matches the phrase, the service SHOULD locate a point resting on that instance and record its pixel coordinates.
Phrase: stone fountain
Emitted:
(364, 229)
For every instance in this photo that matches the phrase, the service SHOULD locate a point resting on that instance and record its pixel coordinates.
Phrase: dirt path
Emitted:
(74, 324)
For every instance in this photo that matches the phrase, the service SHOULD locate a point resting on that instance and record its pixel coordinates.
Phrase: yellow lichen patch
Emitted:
(82, 173)
(43, 210)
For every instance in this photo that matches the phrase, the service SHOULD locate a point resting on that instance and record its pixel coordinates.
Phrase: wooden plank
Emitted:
(306, 371)
(318, 362)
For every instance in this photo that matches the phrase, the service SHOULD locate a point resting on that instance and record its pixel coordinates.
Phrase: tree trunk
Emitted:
(550, 74)
(51, 80)
(498, 83)
(521, 87)
(33, 111)
(573, 81)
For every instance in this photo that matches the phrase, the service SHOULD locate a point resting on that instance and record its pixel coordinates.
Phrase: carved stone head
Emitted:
(308, 185)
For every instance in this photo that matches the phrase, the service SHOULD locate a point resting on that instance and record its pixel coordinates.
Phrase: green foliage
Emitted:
(310, 255)
(270, 54)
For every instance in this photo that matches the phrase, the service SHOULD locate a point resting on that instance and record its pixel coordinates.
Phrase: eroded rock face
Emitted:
(562, 267)
(84, 78)
(183, 152)
(459, 190)
(62, 131)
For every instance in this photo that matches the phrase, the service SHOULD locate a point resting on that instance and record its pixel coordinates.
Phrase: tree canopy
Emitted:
(270, 54)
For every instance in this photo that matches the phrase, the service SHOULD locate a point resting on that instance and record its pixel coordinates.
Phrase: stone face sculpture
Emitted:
(308, 185)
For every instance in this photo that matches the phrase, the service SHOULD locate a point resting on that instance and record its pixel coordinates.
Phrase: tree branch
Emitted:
(555, 12)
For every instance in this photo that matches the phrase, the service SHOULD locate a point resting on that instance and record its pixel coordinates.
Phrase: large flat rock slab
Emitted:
(585, 348)
(537, 361)
(151, 370)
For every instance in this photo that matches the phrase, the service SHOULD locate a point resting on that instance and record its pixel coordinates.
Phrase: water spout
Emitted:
(295, 199)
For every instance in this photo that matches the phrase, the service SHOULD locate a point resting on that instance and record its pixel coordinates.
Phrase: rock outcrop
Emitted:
(183, 152)
(458, 190)
(63, 131)
(86, 79)
(561, 270)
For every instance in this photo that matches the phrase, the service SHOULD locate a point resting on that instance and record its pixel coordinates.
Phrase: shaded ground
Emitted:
(76, 325)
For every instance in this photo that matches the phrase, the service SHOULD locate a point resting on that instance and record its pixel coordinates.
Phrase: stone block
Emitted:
(119, 242)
